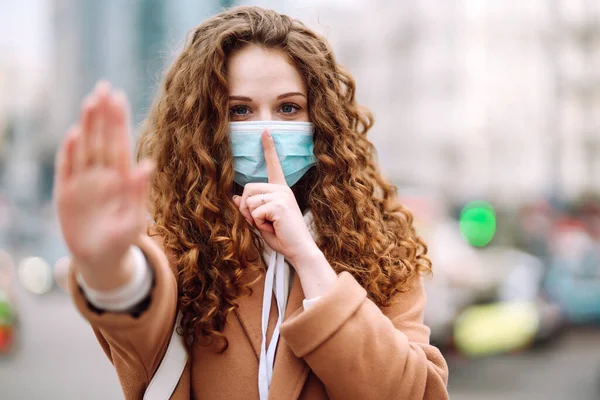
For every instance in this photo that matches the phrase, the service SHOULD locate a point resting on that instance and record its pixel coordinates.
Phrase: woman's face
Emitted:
(265, 86)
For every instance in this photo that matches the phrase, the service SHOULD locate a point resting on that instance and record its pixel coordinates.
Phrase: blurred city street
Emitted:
(487, 119)
(58, 358)
(568, 370)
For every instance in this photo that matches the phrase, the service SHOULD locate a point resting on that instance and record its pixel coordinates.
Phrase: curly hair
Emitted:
(362, 228)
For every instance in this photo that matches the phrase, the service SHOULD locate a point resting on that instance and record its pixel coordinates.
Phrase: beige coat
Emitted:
(343, 347)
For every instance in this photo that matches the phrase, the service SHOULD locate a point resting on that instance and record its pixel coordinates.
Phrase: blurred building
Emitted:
(24, 67)
(127, 42)
(474, 98)
(578, 94)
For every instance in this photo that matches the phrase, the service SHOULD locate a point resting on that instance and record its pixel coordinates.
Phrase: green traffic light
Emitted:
(478, 223)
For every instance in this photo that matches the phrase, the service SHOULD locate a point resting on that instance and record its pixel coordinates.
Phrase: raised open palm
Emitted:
(100, 196)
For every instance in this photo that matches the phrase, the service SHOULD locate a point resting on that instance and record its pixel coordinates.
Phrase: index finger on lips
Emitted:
(274, 171)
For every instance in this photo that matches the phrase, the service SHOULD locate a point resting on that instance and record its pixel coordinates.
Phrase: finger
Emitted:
(90, 128)
(64, 158)
(113, 123)
(88, 109)
(140, 179)
(274, 171)
(252, 189)
(258, 200)
(243, 206)
(100, 125)
(245, 212)
(237, 200)
(122, 138)
(263, 216)
(140, 186)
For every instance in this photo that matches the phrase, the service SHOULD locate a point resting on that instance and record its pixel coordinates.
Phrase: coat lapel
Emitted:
(289, 372)
(249, 314)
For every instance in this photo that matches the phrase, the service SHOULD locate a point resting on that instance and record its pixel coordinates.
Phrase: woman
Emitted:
(303, 292)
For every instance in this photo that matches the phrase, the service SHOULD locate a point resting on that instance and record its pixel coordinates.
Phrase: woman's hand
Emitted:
(100, 197)
(273, 209)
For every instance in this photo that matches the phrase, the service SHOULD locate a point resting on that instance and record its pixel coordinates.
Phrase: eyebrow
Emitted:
(281, 96)
(290, 94)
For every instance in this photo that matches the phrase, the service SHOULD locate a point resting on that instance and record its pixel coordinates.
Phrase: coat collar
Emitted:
(289, 372)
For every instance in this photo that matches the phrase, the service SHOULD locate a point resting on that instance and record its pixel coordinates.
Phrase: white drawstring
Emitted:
(277, 278)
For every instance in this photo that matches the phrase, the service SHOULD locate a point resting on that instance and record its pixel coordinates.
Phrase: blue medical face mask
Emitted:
(293, 141)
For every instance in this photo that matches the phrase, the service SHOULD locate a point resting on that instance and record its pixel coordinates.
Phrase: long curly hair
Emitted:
(362, 228)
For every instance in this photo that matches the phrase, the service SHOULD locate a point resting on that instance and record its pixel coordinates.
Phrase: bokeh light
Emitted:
(61, 273)
(478, 223)
(35, 275)
(495, 328)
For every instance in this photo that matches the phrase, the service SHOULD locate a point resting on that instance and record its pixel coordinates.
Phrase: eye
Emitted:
(290, 108)
(239, 111)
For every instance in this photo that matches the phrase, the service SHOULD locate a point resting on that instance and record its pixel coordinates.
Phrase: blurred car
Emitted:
(7, 323)
(8, 315)
(573, 279)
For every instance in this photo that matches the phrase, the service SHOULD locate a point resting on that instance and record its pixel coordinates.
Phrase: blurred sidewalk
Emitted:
(568, 369)
(59, 358)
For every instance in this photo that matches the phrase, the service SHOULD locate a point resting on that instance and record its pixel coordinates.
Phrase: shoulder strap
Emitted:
(171, 367)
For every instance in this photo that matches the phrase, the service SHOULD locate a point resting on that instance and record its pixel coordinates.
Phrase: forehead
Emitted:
(255, 70)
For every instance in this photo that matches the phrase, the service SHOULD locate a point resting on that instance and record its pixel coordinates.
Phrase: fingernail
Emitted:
(235, 196)
(268, 133)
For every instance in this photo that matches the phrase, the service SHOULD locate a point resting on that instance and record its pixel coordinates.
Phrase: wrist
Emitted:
(108, 276)
(308, 258)
(315, 274)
